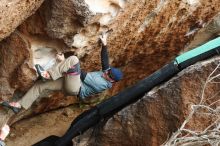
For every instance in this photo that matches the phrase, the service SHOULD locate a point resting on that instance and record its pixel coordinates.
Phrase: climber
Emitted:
(3, 134)
(68, 77)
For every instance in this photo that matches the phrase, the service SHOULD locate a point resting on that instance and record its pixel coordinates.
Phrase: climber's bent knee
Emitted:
(73, 60)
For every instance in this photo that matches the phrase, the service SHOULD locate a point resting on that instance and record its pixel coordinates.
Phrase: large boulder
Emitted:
(152, 119)
(15, 66)
(13, 13)
(76, 22)
(145, 36)
(18, 56)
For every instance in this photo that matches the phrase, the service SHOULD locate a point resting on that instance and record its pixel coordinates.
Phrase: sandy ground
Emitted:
(30, 131)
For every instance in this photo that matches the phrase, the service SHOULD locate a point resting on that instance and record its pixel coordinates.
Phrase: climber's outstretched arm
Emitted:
(104, 52)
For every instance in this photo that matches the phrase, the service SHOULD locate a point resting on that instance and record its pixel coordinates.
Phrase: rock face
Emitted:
(149, 121)
(149, 34)
(155, 33)
(14, 12)
(64, 18)
(16, 73)
(76, 22)
(50, 30)
(146, 35)
(152, 119)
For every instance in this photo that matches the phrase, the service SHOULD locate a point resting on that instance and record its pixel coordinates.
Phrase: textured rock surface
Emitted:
(14, 12)
(149, 34)
(28, 132)
(152, 119)
(18, 74)
(146, 35)
(76, 22)
(15, 66)
(37, 41)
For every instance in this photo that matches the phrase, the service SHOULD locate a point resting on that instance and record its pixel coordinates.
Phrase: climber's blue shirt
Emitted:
(93, 83)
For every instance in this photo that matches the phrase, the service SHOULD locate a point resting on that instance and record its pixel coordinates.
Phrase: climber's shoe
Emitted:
(13, 108)
(40, 70)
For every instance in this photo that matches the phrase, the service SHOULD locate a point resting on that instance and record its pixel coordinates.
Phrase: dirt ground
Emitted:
(29, 131)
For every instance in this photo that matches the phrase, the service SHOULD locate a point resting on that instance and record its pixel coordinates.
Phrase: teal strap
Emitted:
(199, 50)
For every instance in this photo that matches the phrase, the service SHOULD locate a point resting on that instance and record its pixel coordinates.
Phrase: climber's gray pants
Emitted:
(69, 83)
(211, 30)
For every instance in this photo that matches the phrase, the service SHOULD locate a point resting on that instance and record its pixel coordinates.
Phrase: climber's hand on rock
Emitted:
(103, 38)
